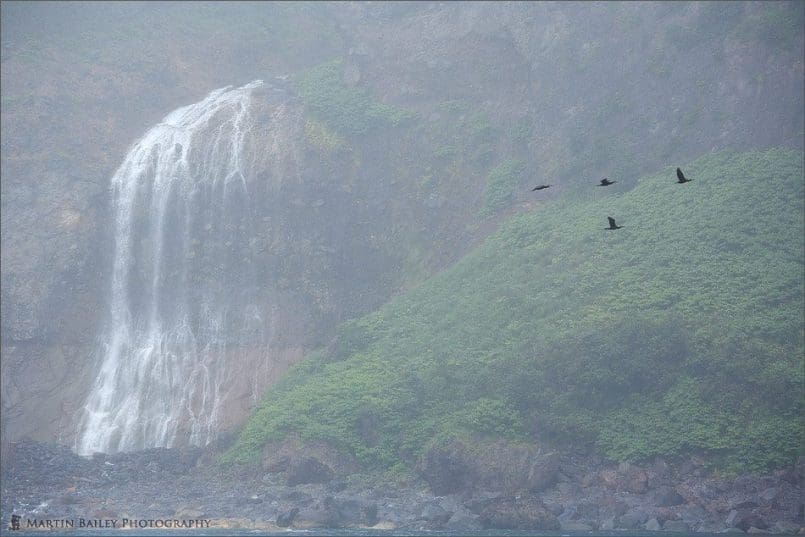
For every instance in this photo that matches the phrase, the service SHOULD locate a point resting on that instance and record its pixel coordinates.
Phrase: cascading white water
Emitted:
(184, 285)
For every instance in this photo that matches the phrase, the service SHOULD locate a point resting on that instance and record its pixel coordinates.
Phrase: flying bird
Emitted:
(540, 187)
(681, 177)
(606, 182)
(612, 224)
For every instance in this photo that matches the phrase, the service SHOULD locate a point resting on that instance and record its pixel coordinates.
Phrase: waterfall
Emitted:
(184, 285)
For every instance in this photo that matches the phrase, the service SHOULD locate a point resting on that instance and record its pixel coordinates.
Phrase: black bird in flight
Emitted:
(540, 187)
(606, 182)
(681, 177)
(612, 224)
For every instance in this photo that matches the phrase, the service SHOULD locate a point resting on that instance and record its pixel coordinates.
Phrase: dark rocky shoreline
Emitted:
(580, 493)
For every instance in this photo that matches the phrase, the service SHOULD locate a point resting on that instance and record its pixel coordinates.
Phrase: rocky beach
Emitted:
(304, 490)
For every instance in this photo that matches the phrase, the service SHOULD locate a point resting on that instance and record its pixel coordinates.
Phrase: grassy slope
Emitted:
(681, 332)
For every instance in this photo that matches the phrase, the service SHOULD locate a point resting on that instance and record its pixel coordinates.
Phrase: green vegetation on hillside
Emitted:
(681, 332)
(345, 109)
(502, 181)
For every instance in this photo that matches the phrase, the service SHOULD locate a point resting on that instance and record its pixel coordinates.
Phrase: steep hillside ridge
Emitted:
(474, 102)
(599, 89)
(679, 333)
(568, 107)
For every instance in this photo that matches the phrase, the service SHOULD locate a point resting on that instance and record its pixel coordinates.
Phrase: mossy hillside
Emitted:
(502, 181)
(347, 110)
(681, 332)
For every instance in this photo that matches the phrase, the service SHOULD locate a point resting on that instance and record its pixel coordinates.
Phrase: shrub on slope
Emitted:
(682, 331)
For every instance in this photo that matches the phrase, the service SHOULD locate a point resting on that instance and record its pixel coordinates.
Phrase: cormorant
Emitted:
(606, 182)
(540, 187)
(612, 224)
(681, 177)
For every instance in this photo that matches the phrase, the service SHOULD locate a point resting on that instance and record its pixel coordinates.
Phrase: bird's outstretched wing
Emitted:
(611, 221)
(681, 176)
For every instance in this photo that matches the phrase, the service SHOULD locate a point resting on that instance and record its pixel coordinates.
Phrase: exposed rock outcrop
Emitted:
(459, 465)
(517, 513)
(304, 463)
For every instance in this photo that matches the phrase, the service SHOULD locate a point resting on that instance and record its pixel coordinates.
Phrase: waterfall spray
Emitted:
(183, 280)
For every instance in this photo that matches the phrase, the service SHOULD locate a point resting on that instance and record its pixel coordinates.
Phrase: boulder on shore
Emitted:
(517, 513)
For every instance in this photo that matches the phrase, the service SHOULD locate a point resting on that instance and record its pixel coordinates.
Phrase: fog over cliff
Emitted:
(282, 228)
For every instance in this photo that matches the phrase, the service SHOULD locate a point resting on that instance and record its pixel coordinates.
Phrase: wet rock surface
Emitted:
(308, 470)
(46, 481)
(518, 513)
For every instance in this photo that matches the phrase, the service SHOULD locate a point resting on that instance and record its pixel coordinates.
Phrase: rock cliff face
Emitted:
(569, 92)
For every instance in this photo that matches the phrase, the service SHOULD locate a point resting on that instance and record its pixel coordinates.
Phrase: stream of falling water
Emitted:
(183, 286)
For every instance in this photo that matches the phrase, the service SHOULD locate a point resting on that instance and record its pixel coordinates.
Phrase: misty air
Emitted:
(402, 268)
